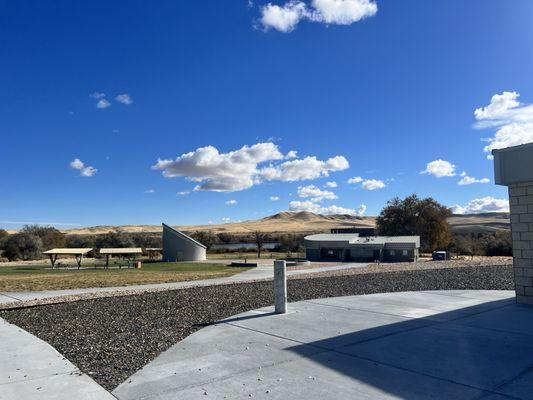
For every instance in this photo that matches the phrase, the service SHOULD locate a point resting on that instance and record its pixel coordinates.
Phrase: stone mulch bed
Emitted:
(111, 338)
(371, 268)
(421, 265)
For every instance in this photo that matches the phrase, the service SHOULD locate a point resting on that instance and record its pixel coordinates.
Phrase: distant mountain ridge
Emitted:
(306, 222)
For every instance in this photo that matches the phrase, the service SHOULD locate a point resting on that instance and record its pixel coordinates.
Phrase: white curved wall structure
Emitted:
(177, 246)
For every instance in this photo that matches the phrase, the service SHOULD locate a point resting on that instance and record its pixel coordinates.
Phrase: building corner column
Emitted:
(521, 215)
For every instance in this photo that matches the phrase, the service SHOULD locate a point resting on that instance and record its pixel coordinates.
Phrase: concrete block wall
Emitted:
(521, 204)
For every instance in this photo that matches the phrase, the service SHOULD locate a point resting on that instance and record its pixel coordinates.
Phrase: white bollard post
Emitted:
(280, 286)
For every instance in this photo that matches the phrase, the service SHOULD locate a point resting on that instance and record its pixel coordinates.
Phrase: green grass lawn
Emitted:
(39, 276)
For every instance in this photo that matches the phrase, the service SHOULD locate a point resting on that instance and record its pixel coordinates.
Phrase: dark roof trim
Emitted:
(183, 235)
(511, 148)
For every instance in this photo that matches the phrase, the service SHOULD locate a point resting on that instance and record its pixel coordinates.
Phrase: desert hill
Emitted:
(304, 222)
(486, 222)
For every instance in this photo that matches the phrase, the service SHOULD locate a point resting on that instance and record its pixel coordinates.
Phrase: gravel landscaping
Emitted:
(111, 338)
(477, 261)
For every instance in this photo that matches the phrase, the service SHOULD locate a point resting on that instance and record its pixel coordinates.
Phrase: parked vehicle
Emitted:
(440, 256)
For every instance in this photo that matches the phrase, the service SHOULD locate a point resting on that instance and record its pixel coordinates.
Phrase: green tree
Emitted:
(3, 237)
(113, 240)
(50, 236)
(23, 246)
(80, 241)
(146, 239)
(225, 237)
(290, 241)
(414, 216)
(207, 238)
(500, 244)
(462, 245)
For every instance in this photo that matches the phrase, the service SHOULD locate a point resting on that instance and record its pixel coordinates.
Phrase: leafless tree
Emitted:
(259, 238)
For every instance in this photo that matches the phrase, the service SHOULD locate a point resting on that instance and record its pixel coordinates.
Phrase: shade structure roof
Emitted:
(121, 250)
(73, 251)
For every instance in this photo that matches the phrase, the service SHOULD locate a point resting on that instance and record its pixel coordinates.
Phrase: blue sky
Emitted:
(358, 89)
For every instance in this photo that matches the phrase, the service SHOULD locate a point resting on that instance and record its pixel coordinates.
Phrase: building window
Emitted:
(404, 252)
(392, 253)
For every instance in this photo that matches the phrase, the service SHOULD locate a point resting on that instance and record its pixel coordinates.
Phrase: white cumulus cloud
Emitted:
(88, 172)
(97, 95)
(231, 202)
(512, 121)
(292, 154)
(226, 220)
(356, 179)
(482, 205)
(373, 184)
(103, 103)
(342, 12)
(124, 98)
(440, 168)
(85, 171)
(285, 18)
(313, 207)
(183, 193)
(245, 167)
(499, 108)
(367, 184)
(331, 184)
(282, 18)
(149, 191)
(101, 100)
(315, 194)
(302, 169)
(274, 198)
(76, 164)
(470, 180)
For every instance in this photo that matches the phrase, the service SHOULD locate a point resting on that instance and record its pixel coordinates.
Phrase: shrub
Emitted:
(3, 237)
(50, 236)
(113, 239)
(23, 246)
(483, 244)
(206, 238)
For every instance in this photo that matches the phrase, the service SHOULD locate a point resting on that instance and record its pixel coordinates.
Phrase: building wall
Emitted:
(312, 254)
(521, 204)
(314, 248)
(178, 248)
(360, 253)
(400, 255)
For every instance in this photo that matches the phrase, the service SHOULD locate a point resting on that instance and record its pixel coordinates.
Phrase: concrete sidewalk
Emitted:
(259, 273)
(32, 369)
(412, 345)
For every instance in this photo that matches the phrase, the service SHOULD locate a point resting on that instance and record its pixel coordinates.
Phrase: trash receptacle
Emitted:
(137, 264)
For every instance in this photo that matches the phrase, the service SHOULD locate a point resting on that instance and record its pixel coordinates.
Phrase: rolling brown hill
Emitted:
(486, 222)
(304, 222)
